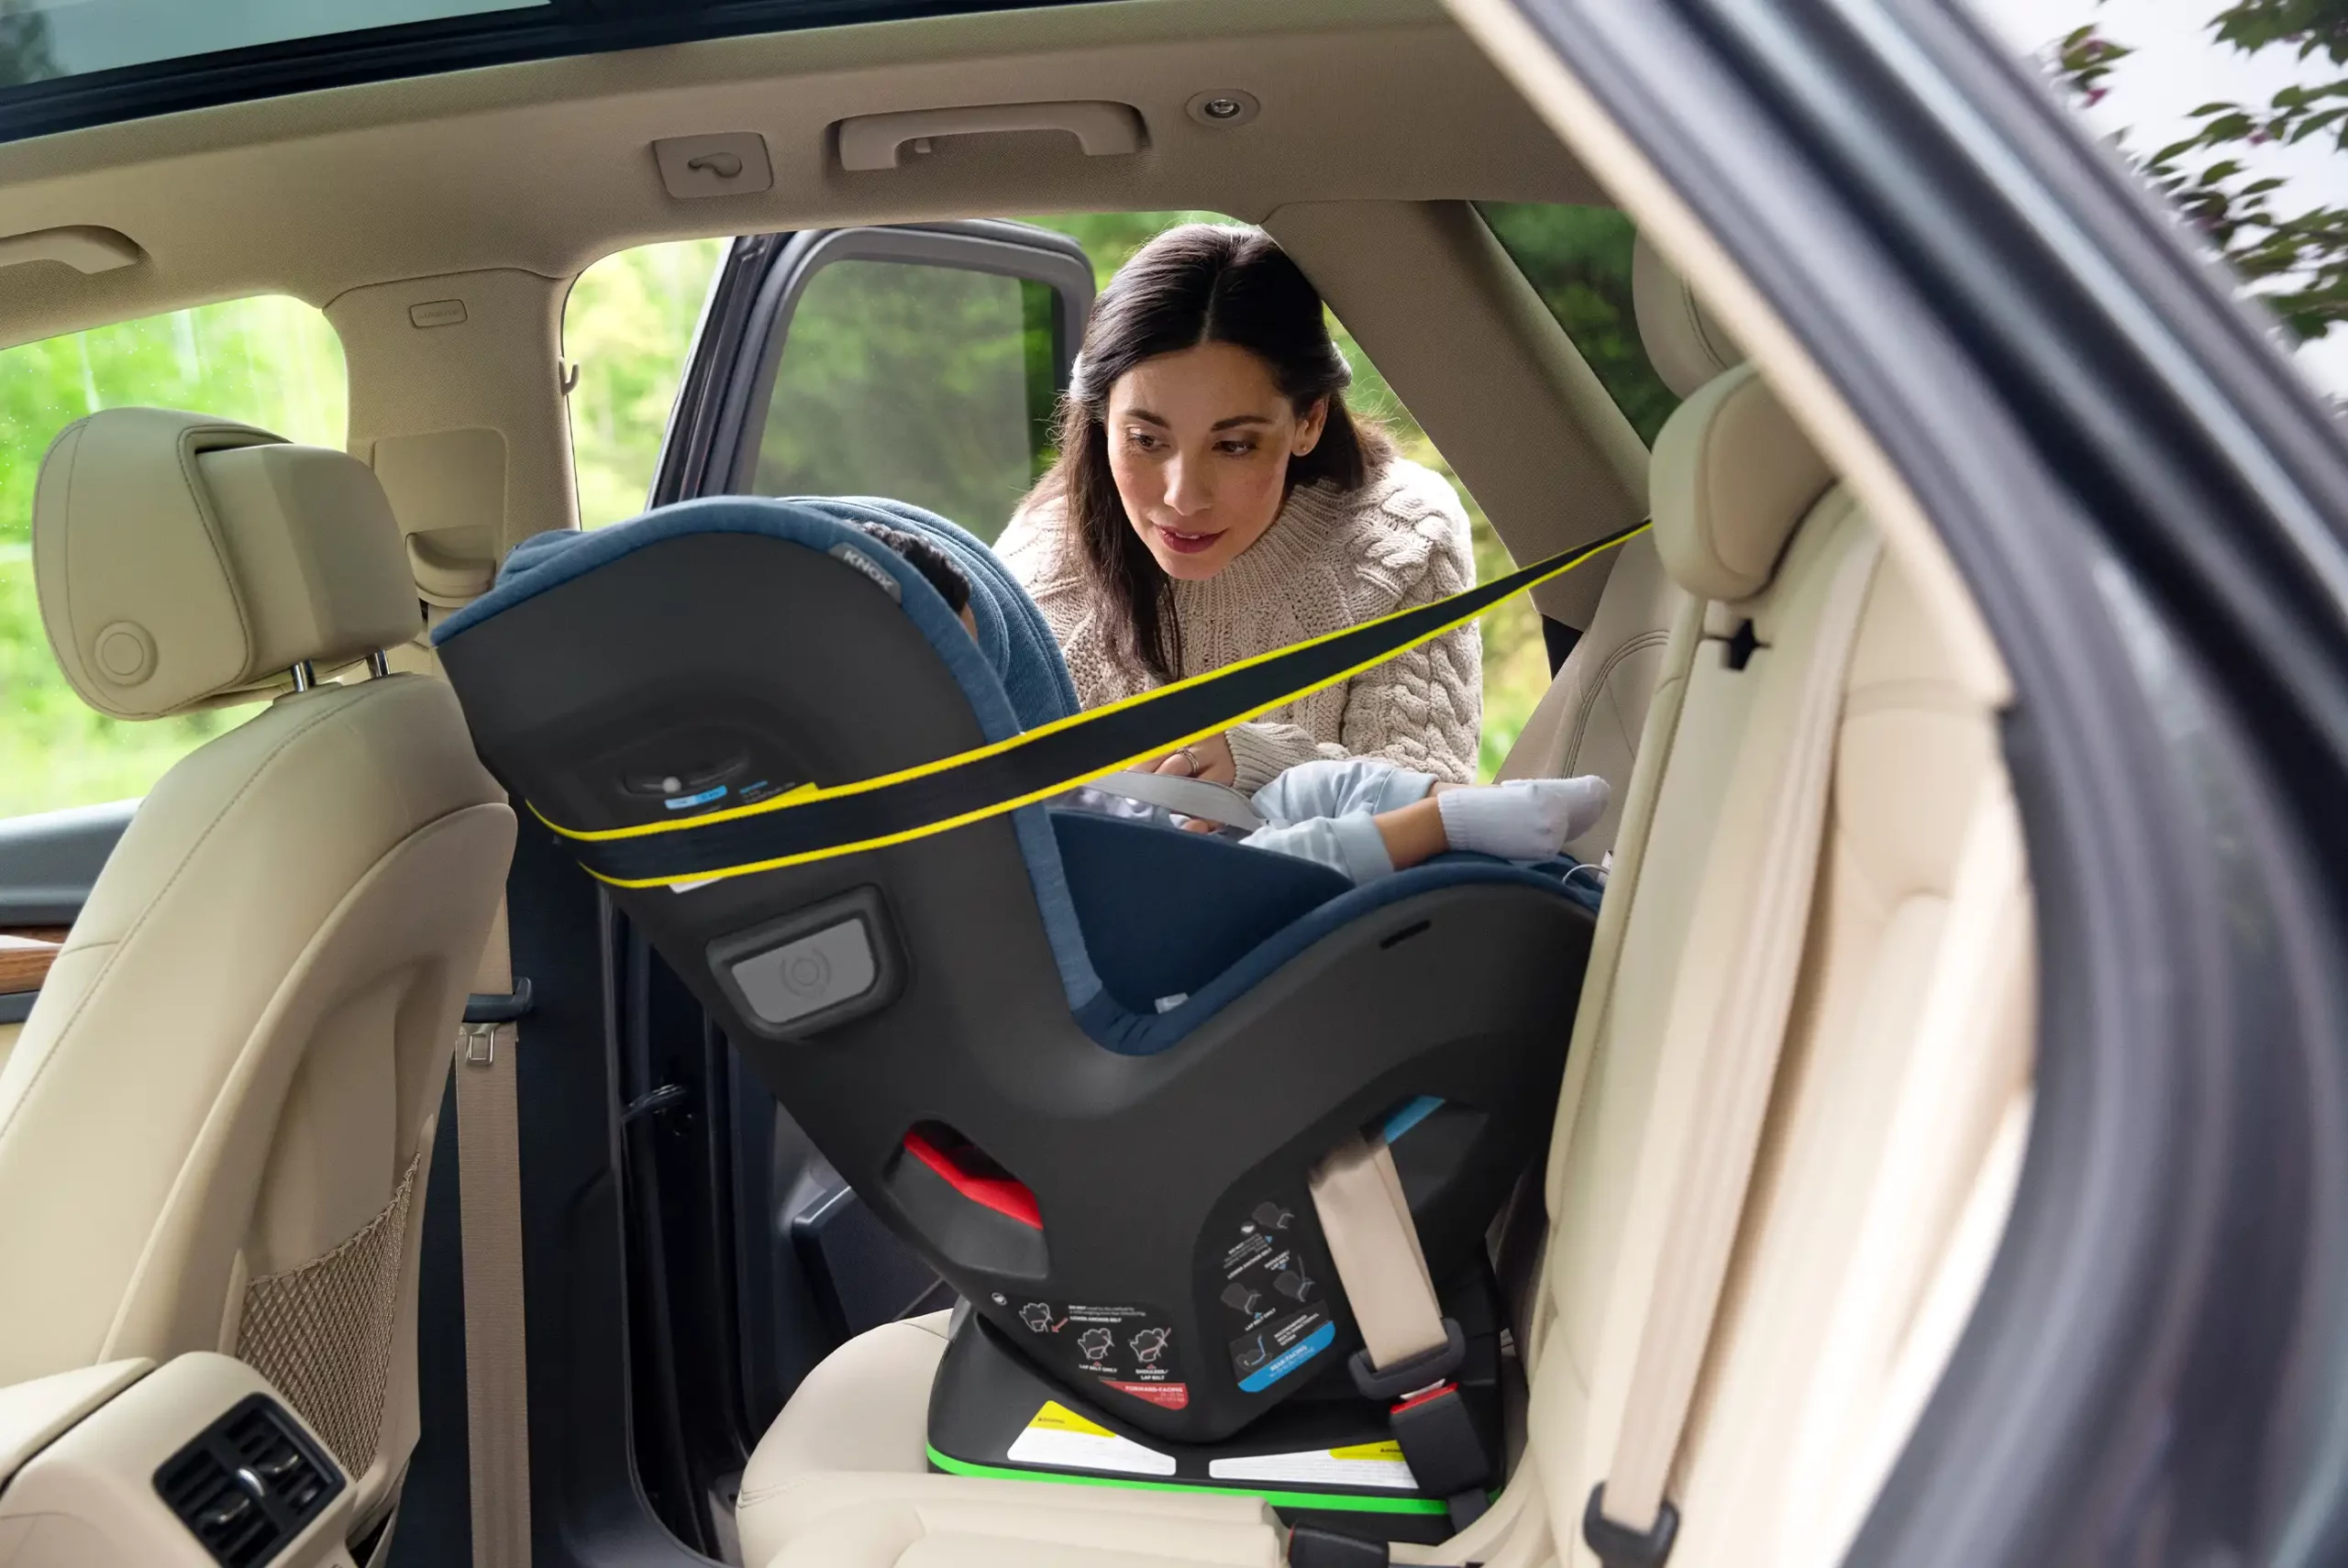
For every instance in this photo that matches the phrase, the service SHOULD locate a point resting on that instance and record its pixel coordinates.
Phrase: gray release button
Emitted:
(814, 973)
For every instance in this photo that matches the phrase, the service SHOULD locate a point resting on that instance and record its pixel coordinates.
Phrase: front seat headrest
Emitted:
(1684, 343)
(181, 559)
(1731, 478)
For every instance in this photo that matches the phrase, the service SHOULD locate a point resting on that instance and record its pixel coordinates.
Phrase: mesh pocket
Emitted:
(322, 1333)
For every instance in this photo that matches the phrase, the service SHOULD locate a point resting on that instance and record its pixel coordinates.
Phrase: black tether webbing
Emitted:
(816, 824)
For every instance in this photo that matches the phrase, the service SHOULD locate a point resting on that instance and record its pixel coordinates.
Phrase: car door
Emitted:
(48, 864)
(923, 363)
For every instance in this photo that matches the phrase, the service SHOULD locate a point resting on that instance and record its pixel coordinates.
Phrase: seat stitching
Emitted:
(1645, 639)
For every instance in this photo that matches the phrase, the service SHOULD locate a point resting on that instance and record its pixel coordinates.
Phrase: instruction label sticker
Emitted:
(1057, 1437)
(1128, 1347)
(1272, 1304)
(1372, 1464)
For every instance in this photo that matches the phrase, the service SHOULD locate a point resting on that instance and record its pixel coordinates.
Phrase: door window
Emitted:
(272, 362)
(929, 384)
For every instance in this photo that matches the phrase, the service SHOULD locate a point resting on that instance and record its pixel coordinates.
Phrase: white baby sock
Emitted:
(1525, 819)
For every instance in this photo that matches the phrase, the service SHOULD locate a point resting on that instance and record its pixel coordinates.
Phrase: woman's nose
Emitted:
(1186, 489)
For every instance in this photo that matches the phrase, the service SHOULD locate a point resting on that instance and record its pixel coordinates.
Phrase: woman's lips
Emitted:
(1185, 544)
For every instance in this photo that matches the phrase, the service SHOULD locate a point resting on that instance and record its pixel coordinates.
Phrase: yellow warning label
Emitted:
(1056, 1438)
(1056, 1417)
(1388, 1451)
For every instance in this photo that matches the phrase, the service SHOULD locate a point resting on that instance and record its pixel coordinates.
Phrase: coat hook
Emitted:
(567, 374)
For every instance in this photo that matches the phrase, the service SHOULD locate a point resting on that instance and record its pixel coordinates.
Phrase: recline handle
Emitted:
(1102, 129)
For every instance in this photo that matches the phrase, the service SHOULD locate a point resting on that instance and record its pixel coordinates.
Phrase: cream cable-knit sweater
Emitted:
(1329, 561)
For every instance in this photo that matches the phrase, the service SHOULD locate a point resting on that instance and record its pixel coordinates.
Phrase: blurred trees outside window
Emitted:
(273, 362)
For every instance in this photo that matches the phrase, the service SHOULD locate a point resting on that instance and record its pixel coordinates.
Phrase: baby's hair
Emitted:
(923, 557)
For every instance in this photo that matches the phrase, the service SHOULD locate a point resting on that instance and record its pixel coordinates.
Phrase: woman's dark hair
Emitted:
(1197, 283)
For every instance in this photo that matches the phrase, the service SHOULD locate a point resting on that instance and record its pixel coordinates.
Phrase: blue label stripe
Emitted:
(1289, 1360)
(1410, 1116)
(678, 802)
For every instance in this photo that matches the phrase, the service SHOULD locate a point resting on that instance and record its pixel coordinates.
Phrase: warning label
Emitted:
(1058, 1438)
(1377, 1465)
(1127, 1346)
(1275, 1307)
(1165, 1395)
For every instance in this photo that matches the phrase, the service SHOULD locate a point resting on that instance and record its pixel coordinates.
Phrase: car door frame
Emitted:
(738, 346)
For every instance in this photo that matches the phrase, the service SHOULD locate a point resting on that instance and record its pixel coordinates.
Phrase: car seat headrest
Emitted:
(181, 559)
(1731, 479)
(1684, 343)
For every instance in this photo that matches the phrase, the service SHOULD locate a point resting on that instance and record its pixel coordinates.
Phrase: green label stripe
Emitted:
(1349, 1502)
(996, 779)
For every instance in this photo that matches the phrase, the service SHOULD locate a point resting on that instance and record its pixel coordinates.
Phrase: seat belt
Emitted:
(1185, 796)
(1410, 1349)
(489, 1170)
(1628, 1521)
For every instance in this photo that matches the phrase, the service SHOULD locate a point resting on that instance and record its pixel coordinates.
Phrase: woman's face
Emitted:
(1199, 444)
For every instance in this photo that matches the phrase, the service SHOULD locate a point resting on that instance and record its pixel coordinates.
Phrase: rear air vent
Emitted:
(249, 1484)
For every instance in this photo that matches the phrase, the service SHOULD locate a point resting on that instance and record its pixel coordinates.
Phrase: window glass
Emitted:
(272, 362)
(627, 325)
(2237, 110)
(926, 384)
(44, 38)
(1579, 260)
(1516, 661)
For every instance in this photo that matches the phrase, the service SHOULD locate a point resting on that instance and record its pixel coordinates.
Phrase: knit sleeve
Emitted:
(1424, 709)
(1263, 751)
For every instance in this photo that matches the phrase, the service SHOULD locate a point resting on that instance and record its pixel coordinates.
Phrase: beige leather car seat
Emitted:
(1886, 1159)
(215, 1128)
(1591, 718)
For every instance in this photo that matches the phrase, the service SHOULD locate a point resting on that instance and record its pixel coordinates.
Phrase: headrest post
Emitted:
(378, 665)
(305, 676)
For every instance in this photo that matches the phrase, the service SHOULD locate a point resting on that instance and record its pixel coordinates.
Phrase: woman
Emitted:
(1214, 499)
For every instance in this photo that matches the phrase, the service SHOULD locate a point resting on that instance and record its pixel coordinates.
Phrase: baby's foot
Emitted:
(1525, 819)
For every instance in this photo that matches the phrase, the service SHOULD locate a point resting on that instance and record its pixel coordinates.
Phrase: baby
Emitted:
(1362, 816)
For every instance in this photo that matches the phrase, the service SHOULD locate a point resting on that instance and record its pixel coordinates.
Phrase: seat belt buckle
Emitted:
(1413, 1374)
(1618, 1545)
(486, 1012)
(1438, 1438)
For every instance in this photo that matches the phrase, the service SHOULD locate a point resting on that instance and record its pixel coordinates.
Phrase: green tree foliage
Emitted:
(627, 326)
(2296, 261)
(271, 362)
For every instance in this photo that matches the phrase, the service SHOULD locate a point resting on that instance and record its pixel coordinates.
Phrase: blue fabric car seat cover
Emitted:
(1164, 914)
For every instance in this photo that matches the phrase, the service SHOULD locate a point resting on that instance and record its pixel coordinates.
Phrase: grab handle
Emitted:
(874, 141)
(82, 248)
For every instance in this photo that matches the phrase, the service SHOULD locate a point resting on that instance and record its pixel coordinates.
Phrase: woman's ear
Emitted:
(1309, 429)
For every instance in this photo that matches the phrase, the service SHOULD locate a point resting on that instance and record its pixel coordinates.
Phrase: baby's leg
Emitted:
(1351, 843)
(1340, 787)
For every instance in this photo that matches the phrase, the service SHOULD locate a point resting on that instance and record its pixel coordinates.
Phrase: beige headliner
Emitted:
(544, 167)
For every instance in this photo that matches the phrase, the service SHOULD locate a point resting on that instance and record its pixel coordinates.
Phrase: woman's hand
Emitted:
(1210, 759)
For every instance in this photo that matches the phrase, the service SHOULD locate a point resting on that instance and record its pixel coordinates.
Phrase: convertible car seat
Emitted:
(1085, 1066)
(215, 1131)
(1887, 1160)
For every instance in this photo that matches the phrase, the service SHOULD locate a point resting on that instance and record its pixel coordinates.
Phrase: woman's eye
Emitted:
(1235, 448)
(1142, 440)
